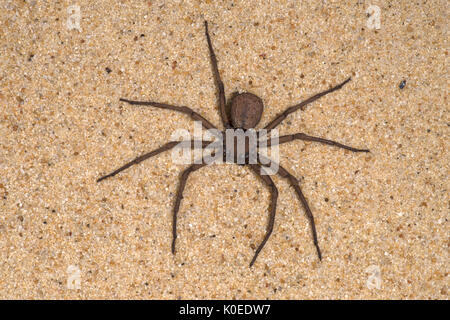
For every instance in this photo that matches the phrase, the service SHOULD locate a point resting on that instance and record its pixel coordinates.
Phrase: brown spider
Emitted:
(243, 113)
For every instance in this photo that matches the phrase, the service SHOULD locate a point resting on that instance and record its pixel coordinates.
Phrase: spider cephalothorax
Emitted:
(245, 114)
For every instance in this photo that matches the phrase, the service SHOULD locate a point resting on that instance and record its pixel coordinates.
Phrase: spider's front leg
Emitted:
(183, 180)
(294, 183)
(274, 191)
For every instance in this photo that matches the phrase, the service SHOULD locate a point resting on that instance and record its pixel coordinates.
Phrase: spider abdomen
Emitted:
(246, 110)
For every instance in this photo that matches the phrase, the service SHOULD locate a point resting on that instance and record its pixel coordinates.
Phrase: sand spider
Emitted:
(243, 113)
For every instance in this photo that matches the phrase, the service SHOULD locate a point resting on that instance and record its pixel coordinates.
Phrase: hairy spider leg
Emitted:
(278, 119)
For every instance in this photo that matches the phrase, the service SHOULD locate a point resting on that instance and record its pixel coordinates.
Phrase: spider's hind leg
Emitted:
(219, 83)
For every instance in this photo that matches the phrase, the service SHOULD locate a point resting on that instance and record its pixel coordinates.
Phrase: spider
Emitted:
(243, 113)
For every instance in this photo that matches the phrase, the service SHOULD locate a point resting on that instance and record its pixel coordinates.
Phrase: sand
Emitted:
(382, 217)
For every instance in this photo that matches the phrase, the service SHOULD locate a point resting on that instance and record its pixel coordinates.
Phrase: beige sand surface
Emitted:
(382, 218)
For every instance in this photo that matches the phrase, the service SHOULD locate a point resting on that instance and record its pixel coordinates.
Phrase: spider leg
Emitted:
(183, 180)
(305, 137)
(294, 183)
(165, 147)
(222, 100)
(186, 110)
(274, 191)
(301, 105)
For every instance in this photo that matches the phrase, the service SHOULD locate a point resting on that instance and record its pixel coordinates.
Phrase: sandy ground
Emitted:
(382, 218)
